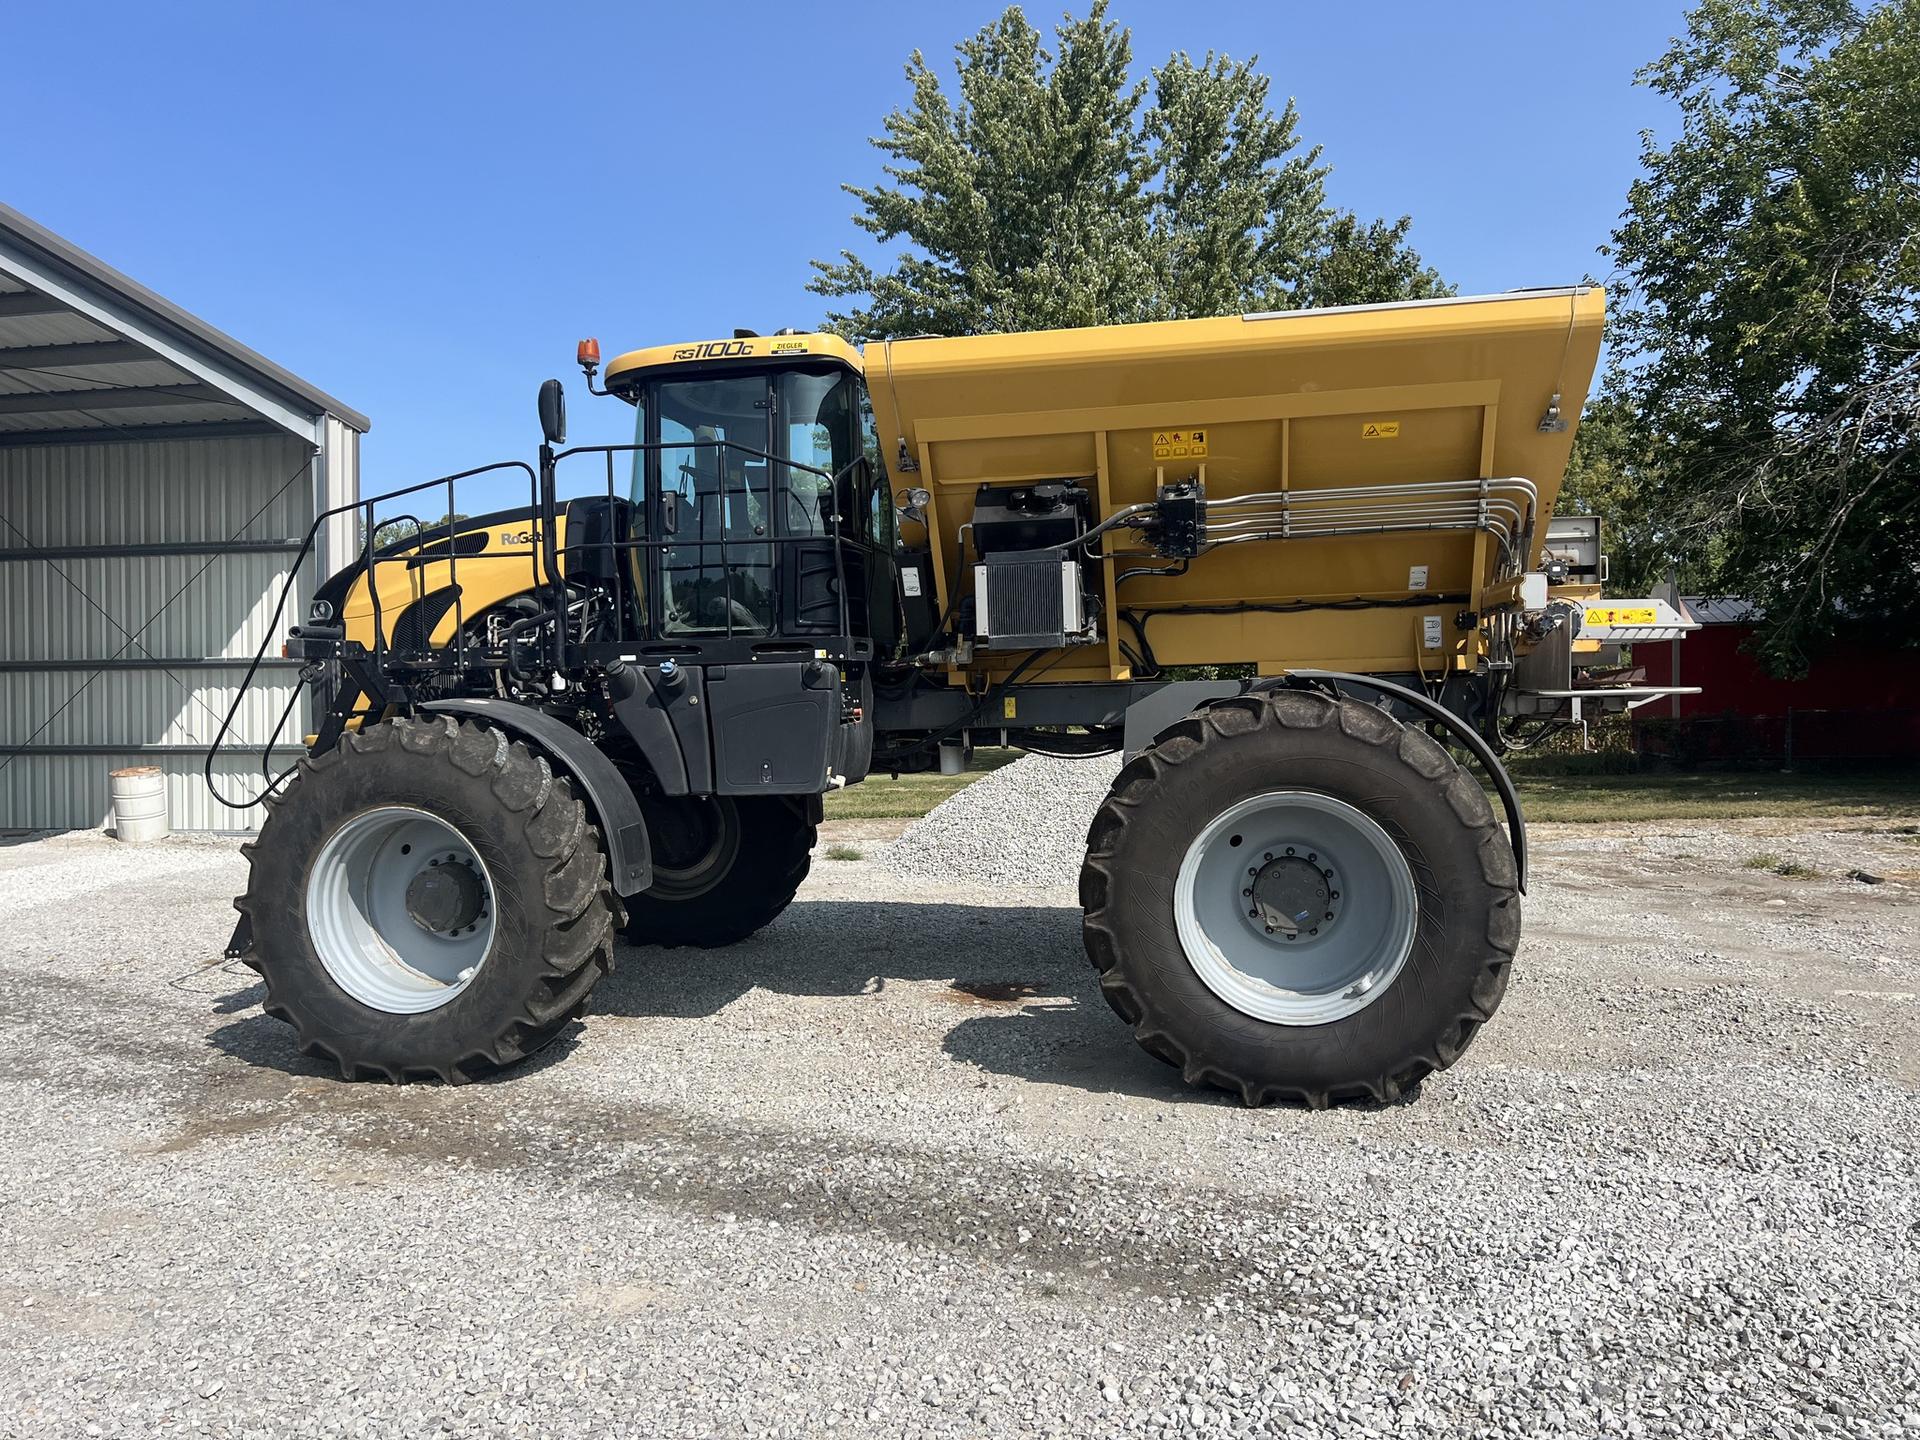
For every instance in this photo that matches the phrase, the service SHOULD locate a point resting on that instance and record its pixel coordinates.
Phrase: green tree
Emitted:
(1050, 188)
(392, 532)
(1238, 216)
(1767, 345)
(1356, 264)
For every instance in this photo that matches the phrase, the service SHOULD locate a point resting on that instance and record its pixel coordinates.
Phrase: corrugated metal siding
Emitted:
(221, 612)
(157, 707)
(171, 492)
(75, 787)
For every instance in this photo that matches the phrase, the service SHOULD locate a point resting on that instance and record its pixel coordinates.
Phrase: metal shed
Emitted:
(157, 478)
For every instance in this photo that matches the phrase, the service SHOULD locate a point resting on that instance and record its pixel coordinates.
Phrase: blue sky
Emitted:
(421, 207)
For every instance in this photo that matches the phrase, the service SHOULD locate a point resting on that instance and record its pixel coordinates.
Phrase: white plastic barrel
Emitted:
(139, 802)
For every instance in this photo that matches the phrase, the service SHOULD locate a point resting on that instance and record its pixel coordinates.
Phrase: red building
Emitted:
(1853, 705)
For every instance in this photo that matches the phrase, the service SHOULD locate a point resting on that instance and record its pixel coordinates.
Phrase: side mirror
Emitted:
(553, 412)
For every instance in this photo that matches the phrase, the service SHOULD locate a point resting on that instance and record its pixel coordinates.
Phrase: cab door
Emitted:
(711, 496)
(837, 491)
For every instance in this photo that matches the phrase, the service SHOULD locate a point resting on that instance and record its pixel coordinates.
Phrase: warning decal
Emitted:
(1180, 444)
(1380, 430)
(1598, 615)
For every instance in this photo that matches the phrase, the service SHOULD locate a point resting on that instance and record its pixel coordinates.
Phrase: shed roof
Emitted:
(88, 353)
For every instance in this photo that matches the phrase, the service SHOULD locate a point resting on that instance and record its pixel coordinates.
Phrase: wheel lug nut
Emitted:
(1289, 849)
(1313, 859)
(1333, 895)
(1268, 855)
(1329, 914)
(1314, 931)
(1247, 891)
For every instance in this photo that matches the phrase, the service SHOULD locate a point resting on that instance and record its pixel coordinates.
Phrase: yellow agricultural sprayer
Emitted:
(616, 707)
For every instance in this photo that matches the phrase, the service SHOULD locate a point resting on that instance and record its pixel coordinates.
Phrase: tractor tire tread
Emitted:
(783, 840)
(562, 863)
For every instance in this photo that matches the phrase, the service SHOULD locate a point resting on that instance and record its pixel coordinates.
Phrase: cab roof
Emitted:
(814, 346)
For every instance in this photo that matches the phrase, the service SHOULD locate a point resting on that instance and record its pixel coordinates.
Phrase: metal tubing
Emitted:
(1414, 487)
(1472, 512)
(1322, 532)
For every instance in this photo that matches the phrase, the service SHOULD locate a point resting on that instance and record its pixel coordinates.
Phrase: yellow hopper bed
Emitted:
(1363, 490)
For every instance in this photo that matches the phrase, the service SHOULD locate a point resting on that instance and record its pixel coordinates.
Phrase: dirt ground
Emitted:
(892, 1168)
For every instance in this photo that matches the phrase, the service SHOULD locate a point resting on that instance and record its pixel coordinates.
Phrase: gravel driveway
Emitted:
(892, 1169)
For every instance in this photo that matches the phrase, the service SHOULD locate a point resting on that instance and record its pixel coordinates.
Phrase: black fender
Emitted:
(1153, 712)
(1457, 729)
(629, 854)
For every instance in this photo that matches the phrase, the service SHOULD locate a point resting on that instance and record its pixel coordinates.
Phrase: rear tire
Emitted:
(330, 918)
(1239, 1004)
(723, 867)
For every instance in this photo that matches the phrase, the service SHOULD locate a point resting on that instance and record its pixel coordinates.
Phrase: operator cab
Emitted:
(760, 495)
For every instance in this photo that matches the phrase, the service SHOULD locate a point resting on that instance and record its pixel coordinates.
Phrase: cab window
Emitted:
(816, 412)
(880, 516)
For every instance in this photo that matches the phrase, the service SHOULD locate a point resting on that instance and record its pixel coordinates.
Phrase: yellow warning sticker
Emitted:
(1622, 615)
(1180, 444)
(1010, 708)
(1380, 430)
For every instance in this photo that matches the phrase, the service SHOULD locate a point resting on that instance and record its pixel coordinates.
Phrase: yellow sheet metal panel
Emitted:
(1393, 396)
(746, 347)
(509, 560)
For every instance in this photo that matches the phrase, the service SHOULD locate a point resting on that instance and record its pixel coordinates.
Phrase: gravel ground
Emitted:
(1023, 824)
(891, 1169)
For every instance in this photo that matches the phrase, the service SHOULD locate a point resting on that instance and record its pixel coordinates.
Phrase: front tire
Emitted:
(428, 900)
(723, 867)
(1292, 896)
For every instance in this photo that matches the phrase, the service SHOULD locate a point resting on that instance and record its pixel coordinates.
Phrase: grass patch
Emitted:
(1596, 796)
(880, 797)
(1767, 860)
(1630, 798)
(843, 852)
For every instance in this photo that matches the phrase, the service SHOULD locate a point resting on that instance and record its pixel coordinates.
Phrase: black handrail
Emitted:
(832, 519)
(371, 559)
(545, 508)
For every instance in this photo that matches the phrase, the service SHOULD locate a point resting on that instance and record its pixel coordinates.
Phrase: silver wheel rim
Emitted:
(400, 909)
(1295, 908)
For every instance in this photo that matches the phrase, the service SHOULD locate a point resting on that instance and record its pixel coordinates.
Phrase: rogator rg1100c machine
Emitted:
(617, 707)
